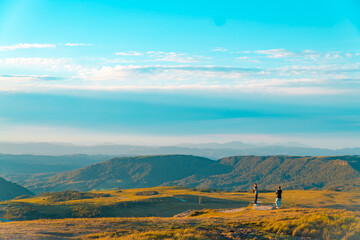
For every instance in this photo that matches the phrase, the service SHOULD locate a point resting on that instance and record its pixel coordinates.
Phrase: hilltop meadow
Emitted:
(181, 213)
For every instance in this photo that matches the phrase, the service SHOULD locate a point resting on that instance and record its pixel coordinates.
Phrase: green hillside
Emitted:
(9, 190)
(125, 172)
(232, 173)
(290, 172)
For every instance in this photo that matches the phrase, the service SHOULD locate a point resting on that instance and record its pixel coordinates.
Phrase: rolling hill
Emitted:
(125, 172)
(270, 171)
(232, 173)
(9, 190)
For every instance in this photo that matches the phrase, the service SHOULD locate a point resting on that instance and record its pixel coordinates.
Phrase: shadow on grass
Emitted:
(168, 206)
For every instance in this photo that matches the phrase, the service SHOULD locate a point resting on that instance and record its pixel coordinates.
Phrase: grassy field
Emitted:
(317, 214)
(167, 200)
(203, 224)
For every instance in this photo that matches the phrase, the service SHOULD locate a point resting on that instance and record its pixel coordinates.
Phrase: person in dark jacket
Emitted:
(256, 192)
(278, 197)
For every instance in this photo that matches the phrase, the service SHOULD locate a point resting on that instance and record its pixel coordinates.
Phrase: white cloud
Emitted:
(32, 61)
(129, 53)
(172, 57)
(156, 74)
(219, 49)
(77, 44)
(118, 60)
(304, 55)
(310, 55)
(18, 83)
(332, 56)
(174, 70)
(289, 82)
(26, 45)
(18, 64)
(135, 78)
(305, 91)
(276, 53)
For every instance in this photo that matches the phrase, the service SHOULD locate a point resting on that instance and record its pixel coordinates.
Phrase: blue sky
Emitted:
(166, 72)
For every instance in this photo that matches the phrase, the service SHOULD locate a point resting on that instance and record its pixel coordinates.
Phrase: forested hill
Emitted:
(340, 172)
(231, 173)
(9, 190)
(125, 172)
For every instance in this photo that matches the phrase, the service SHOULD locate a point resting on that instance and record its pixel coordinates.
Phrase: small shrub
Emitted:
(196, 213)
(207, 190)
(72, 195)
(86, 211)
(22, 197)
(146, 193)
(20, 211)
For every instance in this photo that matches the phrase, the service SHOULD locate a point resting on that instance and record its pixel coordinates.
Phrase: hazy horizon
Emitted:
(178, 143)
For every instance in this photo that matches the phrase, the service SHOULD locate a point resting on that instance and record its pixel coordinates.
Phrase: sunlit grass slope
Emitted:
(204, 224)
(291, 198)
(173, 200)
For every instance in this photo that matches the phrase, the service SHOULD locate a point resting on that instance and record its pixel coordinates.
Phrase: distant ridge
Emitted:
(231, 173)
(32, 164)
(208, 150)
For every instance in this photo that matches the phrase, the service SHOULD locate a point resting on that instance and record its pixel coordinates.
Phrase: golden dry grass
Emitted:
(299, 198)
(209, 224)
(127, 204)
(300, 217)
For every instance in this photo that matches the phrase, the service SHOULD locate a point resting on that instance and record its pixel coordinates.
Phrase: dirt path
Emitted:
(258, 207)
(263, 207)
(232, 210)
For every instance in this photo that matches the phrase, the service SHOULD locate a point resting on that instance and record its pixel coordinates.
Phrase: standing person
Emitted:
(256, 192)
(278, 197)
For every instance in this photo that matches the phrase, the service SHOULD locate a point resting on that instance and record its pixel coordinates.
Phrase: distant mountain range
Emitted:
(239, 145)
(30, 164)
(9, 190)
(61, 171)
(209, 150)
(231, 173)
(19, 168)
